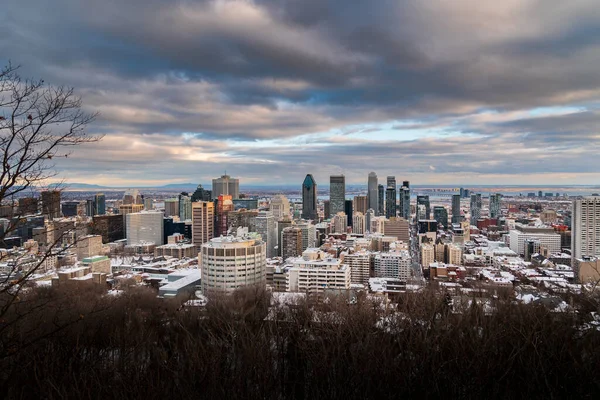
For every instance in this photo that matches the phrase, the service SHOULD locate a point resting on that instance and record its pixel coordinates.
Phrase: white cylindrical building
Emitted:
(230, 263)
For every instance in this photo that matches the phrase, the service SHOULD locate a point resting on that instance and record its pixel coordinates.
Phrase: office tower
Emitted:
(69, 208)
(405, 201)
(372, 193)
(125, 209)
(390, 202)
(201, 194)
(475, 208)
(267, 228)
(348, 211)
(309, 234)
(361, 204)
(227, 186)
(495, 200)
(540, 194)
(203, 220)
(145, 227)
(456, 218)
(110, 227)
(421, 212)
(51, 203)
(337, 193)
(424, 200)
(358, 223)
(368, 218)
(391, 181)
(90, 208)
(281, 225)
(309, 198)
(467, 194)
(242, 219)
(171, 207)
(280, 207)
(440, 214)
(28, 206)
(185, 207)
(398, 227)
(340, 223)
(585, 228)
(380, 200)
(248, 269)
(326, 209)
(148, 204)
(291, 242)
(462, 192)
(100, 203)
(224, 207)
(132, 196)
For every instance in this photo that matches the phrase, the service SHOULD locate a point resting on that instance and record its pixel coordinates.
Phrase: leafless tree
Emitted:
(38, 123)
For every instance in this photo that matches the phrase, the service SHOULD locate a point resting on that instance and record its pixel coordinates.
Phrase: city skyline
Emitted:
(439, 93)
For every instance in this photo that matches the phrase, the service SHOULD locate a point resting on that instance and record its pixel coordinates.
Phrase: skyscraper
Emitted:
(171, 207)
(372, 200)
(309, 198)
(361, 204)
(380, 200)
(280, 207)
(201, 194)
(337, 194)
(340, 223)
(326, 209)
(226, 185)
(405, 201)
(456, 218)
(390, 200)
(424, 200)
(440, 214)
(358, 223)
(51, 203)
(203, 220)
(132, 196)
(100, 203)
(267, 228)
(348, 211)
(475, 208)
(291, 242)
(145, 227)
(585, 231)
(185, 207)
(495, 200)
(224, 207)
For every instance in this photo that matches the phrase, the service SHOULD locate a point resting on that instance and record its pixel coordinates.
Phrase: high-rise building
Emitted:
(110, 227)
(393, 265)
(326, 209)
(427, 255)
(369, 216)
(440, 214)
(245, 260)
(227, 186)
(280, 207)
(358, 223)
(201, 194)
(69, 208)
(337, 194)
(424, 200)
(28, 206)
(340, 223)
(372, 193)
(51, 203)
(391, 181)
(348, 211)
(456, 217)
(145, 227)
(309, 198)
(405, 201)
(185, 207)
(267, 228)
(281, 225)
(380, 200)
(89, 246)
(291, 242)
(495, 208)
(148, 204)
(100, 203)
(132, 196)
(309, 234)
(475, 208)
(360, 266)
(361, 204)
(224, 207)
(171, 207)
(390, 199)
(203, 221)
(585, 228)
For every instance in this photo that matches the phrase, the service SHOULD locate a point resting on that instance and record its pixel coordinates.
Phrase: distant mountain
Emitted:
(189, 186)
(82, 186)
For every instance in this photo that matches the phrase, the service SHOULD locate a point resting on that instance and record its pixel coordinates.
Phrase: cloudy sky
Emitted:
(437, 91)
